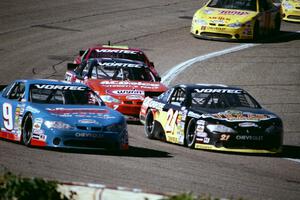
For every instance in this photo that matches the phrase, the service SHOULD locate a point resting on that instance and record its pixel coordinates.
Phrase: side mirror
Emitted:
(152, 64)
(71, 66)
(158, 79)
(81, 52)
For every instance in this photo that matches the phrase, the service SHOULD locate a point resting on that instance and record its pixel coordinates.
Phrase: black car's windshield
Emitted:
(234, 4)
(117, 53)
(63, 94)
(221, 98)
(117, 71)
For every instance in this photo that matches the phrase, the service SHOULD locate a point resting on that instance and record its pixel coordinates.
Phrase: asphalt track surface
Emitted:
(38, 38)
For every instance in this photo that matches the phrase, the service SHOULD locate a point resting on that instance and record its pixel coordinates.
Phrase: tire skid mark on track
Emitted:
(86, 16)
(56, 28)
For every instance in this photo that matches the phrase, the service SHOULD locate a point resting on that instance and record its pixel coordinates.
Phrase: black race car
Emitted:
(215, 117)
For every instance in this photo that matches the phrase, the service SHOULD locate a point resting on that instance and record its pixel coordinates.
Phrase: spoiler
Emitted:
(81, 52)
(2, 87)
(72, 66)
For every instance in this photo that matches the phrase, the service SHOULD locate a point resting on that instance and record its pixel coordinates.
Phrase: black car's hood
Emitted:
(236, 114)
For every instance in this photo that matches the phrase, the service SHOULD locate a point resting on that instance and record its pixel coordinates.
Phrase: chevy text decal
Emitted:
(233, 12)
(113, 64)
(59, 87)
(232, 117)
(116, 51)
(229, 91)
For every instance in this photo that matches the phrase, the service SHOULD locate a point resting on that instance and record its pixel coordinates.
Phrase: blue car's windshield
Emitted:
(234, 4)
(63, 94)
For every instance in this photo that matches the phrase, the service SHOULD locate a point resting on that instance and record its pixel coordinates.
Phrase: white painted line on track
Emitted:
(295, 160)
(172, 73)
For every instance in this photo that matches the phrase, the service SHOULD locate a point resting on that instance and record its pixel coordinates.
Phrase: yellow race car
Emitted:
(291, 10)
(236, 20)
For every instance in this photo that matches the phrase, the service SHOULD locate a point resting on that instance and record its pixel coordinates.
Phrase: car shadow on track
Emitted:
(132, 152)
(282, 37)
(289, 151)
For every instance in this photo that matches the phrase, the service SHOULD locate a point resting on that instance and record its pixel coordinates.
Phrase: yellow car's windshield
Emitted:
(234, 4)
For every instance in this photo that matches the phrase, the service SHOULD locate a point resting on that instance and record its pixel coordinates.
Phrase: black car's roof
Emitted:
(207, 86)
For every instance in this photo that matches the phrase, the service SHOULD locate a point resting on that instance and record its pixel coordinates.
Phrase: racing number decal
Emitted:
(224, 137)
(171, 120)
(7, 116)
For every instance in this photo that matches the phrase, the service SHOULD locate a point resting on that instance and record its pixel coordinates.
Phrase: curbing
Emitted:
(82, 191)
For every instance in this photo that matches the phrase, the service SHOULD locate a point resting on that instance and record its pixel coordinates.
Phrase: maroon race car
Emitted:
(124, 52)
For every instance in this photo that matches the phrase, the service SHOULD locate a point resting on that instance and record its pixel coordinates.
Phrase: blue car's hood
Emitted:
(76, 114)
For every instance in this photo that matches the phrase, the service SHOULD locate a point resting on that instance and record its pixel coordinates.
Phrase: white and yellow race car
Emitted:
(236, 20)
(291, 10)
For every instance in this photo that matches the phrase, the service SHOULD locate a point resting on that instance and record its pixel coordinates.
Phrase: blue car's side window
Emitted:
(17, 91)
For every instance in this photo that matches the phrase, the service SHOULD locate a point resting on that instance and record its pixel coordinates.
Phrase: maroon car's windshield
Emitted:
(118, 53)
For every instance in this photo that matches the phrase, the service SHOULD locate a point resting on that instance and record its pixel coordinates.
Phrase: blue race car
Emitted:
(59, 114)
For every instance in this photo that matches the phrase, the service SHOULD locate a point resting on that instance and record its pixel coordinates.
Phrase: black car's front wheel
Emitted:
(27, 130)
(190, 135)
(150, 125)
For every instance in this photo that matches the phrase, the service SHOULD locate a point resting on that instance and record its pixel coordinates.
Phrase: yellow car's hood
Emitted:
(224, 16)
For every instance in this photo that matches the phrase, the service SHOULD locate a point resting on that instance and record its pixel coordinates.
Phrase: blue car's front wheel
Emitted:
(27, 130)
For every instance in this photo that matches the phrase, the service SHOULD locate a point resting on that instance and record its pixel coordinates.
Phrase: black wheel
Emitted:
(277, 25)
(150, 125)
(190, 135)
(256, 32)
(27, 130)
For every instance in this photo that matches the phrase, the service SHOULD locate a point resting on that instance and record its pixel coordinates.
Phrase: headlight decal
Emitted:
(109, 99)
(57, 125)
(218, 128)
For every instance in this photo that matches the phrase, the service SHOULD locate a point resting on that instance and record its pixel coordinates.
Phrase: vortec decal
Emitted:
(60, 87)
(229, 91)
(110, 64)
(116, 51)
(233, 12)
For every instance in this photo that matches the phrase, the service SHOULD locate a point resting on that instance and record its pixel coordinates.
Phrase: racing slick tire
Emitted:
(151, 127)
(190, 135)
(27, 130)
(256, 32)
(277, 24)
